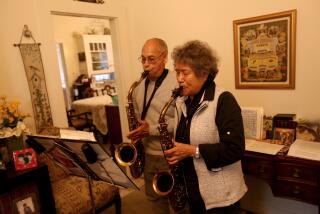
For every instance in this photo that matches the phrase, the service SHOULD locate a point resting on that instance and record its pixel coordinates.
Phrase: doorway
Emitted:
(85, 52)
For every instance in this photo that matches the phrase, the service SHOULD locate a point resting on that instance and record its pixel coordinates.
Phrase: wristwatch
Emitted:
(197, 154)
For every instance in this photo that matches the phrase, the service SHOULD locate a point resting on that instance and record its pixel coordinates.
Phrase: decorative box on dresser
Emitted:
(288, 177)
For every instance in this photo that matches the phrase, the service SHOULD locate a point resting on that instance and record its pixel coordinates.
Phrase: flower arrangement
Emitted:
(11, 119)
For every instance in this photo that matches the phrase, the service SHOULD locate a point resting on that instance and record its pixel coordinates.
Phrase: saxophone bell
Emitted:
(163, 183)
(126, 154)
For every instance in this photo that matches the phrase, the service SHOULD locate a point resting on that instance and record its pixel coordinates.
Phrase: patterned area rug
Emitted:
(136, 203)
(133, 203)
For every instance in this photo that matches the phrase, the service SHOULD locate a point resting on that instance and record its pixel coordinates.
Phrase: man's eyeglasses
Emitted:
(150, 59)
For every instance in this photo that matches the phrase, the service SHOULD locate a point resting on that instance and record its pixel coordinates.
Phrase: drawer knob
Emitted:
(296, 173)
(296, 190)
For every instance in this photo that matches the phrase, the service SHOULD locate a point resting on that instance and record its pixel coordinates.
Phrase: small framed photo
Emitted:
(25, 159)
(284, 135)
(2, 165)
(26, 205)
(267, 127)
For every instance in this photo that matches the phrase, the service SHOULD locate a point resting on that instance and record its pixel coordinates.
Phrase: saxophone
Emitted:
(170, 182)
(132, 154)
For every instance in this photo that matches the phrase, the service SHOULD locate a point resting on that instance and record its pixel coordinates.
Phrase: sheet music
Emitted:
(305, 149)
(69, 134)
(262, 147)
(252, 122)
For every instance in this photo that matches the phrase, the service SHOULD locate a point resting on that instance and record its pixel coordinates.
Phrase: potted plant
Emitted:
(12, 128)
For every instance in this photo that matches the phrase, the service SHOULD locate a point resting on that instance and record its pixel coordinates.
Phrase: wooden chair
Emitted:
(109, 90)
(80, 121)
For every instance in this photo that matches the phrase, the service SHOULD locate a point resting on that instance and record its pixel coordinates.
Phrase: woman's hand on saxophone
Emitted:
(179, 152)
(140, 132)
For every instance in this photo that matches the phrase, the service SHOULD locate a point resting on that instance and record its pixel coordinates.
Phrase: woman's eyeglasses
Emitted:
(150, 59)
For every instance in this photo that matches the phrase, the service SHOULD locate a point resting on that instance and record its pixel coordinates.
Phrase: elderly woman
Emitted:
(209, 136)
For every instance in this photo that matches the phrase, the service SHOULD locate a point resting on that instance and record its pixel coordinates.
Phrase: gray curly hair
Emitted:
(199, 56)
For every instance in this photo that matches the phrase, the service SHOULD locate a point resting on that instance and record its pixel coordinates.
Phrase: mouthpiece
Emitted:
(176, 92)
(144, 74)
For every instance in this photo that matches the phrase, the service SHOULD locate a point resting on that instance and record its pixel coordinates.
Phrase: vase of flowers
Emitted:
(12, 128)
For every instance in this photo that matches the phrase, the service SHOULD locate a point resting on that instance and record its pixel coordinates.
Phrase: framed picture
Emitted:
(25, 159)
(22, 199)
(285, 135)
(93, 1)
(267, 127)
(27, 204)
(2, 165)
(27, 192)
(264, 51)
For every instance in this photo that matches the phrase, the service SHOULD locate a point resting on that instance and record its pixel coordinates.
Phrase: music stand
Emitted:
(104, 169)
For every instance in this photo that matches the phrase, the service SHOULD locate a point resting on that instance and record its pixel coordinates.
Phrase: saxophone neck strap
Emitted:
(146, 104)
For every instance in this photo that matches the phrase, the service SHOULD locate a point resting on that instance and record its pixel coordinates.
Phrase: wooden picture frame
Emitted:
(12, 201)
(267, 127)
(92, 1)
(21, 186)
(264, 51)
(285, 135)
(26, 204)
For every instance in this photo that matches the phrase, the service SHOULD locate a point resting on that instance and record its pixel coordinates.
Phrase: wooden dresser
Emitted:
(288, 177)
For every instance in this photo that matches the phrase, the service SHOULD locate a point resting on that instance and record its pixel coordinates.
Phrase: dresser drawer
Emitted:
(295, 190)
(297, 171)
(258, 168)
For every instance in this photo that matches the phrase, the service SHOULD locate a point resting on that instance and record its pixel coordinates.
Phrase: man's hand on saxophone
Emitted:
(179, 152)
(140, 132)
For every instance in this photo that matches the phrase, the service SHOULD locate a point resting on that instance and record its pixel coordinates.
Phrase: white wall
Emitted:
(176, 22)
(13, 79)
(37, 15)
(211, 21)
